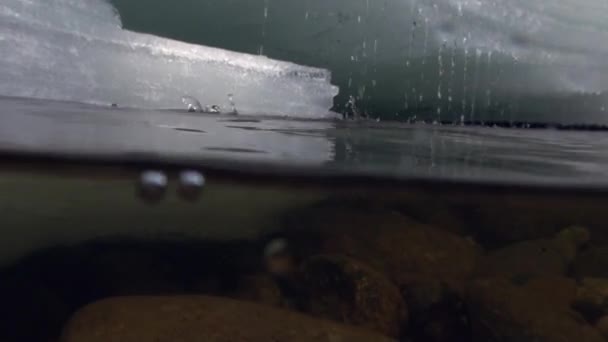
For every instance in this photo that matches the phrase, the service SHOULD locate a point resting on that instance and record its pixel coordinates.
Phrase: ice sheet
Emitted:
(76, 50)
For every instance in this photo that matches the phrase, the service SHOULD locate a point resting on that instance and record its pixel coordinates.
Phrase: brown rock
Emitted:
(437, 314)
(423, 293)
(259, 289)
(201, 318)
(592, 262)
(498, 225)
(556, 290)
(348, 291)
(502, 311)
(535, 257)
(602, 326)
(592, 297)
(400, 247)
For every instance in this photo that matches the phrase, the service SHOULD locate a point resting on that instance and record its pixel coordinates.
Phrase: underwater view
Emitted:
(361, 170)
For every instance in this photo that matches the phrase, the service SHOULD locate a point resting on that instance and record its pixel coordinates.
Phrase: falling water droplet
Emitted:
(489, 85)
(440, 78)
(375, 46)
(359, 19)
(306, 15)
(361, 91)
(350, 82)
(426, 41)
(517, 95)
(412, 37)
(475, 83)
(261, 47)
(464, 81)
(232, 104)
(452, 74)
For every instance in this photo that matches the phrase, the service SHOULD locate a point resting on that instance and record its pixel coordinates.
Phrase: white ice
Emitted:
(76, 50)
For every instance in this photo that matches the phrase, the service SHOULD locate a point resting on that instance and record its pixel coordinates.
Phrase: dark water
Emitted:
(302, 230)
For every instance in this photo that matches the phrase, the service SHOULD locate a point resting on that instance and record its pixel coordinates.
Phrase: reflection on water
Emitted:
(369, 147)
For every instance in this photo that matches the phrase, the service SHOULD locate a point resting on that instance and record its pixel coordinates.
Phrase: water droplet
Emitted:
(361, 91)
(277, 257)
(232, 104)
(152, 185)
(475, 89)
(359, 19)
(191, 183)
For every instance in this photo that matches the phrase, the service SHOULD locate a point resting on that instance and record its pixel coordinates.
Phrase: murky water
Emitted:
(292, 229)
(256, 215)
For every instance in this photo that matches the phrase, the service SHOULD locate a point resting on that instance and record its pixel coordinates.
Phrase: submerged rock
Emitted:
(592, 297)
(592, 262)
(602, 326)
(259, 289)
(429, 266)
(391, 243)
(417, 250)
(201, 318)
(437, 313)
(535, 257)
(348, 291)
(535, 311)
